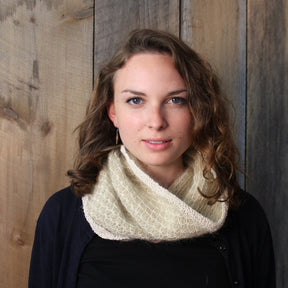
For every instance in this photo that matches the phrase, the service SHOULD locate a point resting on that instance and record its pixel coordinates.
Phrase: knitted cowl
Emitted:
(126, 203)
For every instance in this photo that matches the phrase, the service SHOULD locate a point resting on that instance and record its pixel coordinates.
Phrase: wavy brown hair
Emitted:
(211, 133)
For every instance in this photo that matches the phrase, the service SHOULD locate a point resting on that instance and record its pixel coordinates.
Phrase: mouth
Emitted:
(156, 141)
(157, 144)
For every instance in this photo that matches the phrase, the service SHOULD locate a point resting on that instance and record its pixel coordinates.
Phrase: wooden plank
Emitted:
(267, 120)
(217, 30)
(45, 81)
(115, 19)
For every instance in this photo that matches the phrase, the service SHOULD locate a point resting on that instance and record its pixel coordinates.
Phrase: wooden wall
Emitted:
(46, 52)
(267, 118)
(50, 51)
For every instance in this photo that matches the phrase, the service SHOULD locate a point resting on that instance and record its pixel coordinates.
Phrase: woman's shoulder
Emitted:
(60, 207)
(63, 198)
(248, 206)
(249, 216)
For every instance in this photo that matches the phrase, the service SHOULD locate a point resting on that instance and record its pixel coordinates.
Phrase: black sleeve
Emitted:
(262, 248)
(46, 250)
(256, 245)
(41, 270)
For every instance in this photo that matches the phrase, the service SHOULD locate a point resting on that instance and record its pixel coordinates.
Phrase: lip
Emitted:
(157, 144)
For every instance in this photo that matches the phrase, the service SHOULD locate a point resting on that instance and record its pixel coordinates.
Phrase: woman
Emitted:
(155, 199)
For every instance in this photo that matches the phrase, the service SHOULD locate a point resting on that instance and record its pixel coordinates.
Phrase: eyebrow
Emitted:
(133, 92)
(176, 92)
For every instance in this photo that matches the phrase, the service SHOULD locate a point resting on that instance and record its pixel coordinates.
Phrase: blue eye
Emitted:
(134, 101)
(178, 100)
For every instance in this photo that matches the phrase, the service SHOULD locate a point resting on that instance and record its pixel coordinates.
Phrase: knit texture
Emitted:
(126, 203)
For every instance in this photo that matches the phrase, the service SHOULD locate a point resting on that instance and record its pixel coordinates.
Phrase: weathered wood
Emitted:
(46, 76)
(216, 30)
(267, 120)
(45, 81)
(114, 20)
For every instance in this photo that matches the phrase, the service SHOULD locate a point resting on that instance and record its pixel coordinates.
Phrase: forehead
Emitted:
(148, 67)
(147, 58)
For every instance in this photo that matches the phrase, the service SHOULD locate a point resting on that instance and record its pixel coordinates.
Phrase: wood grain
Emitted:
(49, 55)
(217, 30)
(267, 120)
(114, 20)
(45, 81)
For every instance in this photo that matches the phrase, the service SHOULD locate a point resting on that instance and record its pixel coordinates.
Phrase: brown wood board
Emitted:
(267, 120)
(45, 81)
(49, 55)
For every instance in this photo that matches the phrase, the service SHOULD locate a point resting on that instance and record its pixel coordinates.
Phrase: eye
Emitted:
(177, 100)
(134, 101)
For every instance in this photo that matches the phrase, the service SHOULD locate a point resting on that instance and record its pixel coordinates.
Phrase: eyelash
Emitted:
(180, 100)
(138, 100)
(133, 100)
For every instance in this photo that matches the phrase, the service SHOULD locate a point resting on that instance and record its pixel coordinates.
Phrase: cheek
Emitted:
(129, 127)
(189, 122)
(183, 123)
(184, 129)
(129, 122)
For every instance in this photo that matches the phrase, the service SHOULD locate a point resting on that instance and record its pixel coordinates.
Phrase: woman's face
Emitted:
(151, 111)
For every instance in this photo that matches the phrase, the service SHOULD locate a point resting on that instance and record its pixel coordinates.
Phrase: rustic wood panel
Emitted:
(45, 81)
(115, 19)
(46, 72)
(217, 30)
(267, 120)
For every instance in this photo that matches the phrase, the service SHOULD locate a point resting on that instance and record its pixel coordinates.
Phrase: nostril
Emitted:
(156, 119)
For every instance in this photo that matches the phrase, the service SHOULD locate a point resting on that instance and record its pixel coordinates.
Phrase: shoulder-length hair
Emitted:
(211, 132)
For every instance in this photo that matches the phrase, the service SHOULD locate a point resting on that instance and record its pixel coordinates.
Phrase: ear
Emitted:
(112, 114)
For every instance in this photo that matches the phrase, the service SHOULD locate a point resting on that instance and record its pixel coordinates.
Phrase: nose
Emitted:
(156, 118)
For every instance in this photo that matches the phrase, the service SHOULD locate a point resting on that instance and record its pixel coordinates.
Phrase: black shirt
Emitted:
(62, 234)
(186, 263)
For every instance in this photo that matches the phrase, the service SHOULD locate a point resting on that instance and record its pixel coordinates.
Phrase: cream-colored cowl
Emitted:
(126, 203)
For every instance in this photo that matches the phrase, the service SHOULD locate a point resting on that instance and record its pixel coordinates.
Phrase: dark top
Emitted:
(62, 234)
(130, 264)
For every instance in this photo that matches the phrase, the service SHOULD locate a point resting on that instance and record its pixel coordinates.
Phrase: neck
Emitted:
(164, 176)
